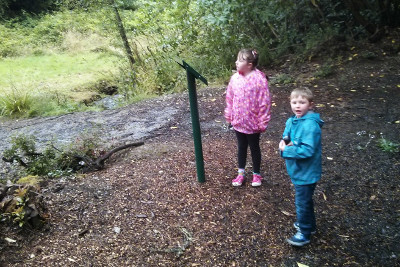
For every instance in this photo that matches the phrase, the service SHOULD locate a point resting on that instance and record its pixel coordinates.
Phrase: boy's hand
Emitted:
(282, 145)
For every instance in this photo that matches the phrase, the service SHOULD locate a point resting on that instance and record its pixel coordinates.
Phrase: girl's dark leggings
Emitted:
(252, 141)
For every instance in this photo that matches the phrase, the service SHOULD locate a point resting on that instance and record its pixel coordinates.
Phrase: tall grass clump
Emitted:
(15, 103)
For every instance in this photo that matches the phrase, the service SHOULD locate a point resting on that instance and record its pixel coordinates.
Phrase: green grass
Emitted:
(388, 146)
(64, 74)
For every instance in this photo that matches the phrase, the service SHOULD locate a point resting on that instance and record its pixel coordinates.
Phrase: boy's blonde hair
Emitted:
(303, 92)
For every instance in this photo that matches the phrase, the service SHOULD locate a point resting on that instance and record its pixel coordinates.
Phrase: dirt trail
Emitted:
(147, 209)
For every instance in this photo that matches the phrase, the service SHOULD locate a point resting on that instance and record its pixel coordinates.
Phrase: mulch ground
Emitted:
(147, 208)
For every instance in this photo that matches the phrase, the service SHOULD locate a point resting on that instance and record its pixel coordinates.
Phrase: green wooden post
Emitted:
(191, 79)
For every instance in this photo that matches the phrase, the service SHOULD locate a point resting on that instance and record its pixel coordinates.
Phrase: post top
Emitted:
(189, 69)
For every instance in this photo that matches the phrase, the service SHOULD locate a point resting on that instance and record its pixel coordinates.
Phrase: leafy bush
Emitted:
(86, 146)
(16, 8)
(23, 151)
(21, 204)
(52, 161)
(18, 214)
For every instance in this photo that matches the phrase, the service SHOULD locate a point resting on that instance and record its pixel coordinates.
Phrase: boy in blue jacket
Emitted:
(301, 149)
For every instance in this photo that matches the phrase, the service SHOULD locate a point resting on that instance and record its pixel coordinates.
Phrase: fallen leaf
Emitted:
(287, 213)
(320, 105)
(301, 265)
(329, 158)
(256, 212)
(323, 194)
(373, 197)
(174, 127)
(9, 240)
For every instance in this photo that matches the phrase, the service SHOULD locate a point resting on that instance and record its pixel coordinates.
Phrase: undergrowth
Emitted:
(53, 161)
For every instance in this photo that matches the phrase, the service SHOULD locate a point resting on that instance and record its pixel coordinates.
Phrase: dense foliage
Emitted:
(206, 33)
(221, 27)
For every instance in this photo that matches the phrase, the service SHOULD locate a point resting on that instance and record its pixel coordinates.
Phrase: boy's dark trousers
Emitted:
(305, 208)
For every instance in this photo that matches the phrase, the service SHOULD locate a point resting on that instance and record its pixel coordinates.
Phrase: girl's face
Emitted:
(300, 105)
(242, 66)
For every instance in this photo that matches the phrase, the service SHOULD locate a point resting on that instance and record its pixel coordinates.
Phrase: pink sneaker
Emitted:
(238, 181)
(256, 180)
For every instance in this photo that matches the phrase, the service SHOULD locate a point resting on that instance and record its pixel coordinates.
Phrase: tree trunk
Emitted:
(122, 32)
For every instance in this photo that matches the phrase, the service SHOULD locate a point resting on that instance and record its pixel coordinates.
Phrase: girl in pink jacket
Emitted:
(248, 106)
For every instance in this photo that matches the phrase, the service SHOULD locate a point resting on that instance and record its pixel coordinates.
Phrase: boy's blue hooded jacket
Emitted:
(303, 159)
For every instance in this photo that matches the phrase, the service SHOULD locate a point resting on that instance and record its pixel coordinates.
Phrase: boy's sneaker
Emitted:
(298, 240)
(238, 181)
(256, 180)
(297, 227)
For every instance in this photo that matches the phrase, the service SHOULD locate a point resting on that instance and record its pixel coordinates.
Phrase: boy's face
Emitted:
(300, 105)
(243, 66)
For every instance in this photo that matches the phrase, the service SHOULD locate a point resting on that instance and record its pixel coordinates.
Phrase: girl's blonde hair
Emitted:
(250, 56)
(303, 92)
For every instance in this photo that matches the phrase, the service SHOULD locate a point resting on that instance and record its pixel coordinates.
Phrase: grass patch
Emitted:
(52, 84)
(388, 146)
(61, 73)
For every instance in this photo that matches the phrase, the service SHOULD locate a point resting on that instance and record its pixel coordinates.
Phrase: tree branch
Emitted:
(100, 161)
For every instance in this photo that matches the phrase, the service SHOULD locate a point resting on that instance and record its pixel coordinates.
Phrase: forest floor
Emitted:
(148, 209)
